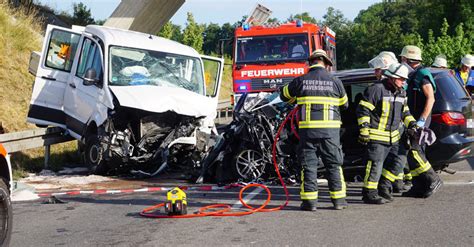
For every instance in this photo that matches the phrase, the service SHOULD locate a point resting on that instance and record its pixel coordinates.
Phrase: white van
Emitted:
(136, 101)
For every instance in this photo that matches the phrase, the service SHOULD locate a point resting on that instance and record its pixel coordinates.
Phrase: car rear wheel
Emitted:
(5, 215)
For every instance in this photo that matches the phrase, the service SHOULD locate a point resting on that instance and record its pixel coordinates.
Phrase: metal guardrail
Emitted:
(35, 138)
(22, 140)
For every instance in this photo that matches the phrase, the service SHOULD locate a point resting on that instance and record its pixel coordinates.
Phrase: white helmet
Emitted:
(383, 60)
(468, 60)
(411, 52)
(389, 55)
(397, 70)
(440, 62)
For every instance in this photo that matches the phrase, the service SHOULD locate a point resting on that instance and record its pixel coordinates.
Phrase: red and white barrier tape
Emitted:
(146, 189)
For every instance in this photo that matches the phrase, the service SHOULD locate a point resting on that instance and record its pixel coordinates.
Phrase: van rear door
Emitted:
(57, 56)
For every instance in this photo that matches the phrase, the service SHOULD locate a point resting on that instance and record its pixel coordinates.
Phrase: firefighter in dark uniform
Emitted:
(320, 98)
(383, 107)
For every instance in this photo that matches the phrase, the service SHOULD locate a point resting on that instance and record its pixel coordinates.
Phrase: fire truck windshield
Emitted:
(281, 48)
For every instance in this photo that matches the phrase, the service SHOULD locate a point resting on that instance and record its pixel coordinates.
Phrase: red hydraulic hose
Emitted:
(225, 209)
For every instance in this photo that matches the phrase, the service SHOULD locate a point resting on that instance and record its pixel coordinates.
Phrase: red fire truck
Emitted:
(267, 57)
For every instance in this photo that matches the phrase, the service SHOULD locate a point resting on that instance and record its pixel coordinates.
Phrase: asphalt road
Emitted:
(445, 219)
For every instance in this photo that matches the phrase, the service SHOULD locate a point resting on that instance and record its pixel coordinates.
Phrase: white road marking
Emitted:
(248, 197)
(459, 183)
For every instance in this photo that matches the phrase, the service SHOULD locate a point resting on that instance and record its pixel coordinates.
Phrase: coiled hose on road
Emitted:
(225, 209)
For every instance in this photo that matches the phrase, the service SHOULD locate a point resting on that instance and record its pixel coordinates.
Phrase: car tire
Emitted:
(6, 214)
(92, 156)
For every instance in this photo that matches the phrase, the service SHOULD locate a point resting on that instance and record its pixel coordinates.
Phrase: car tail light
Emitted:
(449, 118)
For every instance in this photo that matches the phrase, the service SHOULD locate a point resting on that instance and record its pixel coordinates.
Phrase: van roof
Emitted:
(127, 38)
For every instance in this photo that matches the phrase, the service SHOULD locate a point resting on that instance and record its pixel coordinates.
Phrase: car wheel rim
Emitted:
(250, 164)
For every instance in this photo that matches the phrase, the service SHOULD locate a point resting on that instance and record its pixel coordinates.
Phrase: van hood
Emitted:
(162, 99)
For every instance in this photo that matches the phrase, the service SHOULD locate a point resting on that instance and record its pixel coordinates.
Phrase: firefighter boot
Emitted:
(433, 184)
(308, 205)
(385, 189)
(340, 203)
(416, 189)
(398, 186)
(371, 196)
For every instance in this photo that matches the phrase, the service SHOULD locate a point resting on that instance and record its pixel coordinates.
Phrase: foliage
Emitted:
(193, 33)
(82, 15)
(305, 16)
(452, 46)
(171, 31)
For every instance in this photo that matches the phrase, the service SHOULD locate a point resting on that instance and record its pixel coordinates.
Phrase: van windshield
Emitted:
(132, 66)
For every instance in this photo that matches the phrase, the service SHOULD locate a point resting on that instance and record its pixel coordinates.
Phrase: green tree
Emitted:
(166, 31)
(211, 38)
(335, 20)
(193, 33)
(453, 46)
(171, 31)
(304, 17)
(82, 15)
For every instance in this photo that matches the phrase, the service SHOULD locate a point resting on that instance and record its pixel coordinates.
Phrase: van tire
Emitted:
(6, 214)
(92, 156)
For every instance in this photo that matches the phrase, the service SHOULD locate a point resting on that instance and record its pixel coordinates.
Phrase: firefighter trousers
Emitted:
(330, 152)
(394, 164)
(377, 153)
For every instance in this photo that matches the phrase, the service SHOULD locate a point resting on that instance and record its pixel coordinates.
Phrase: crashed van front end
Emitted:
(160, 118)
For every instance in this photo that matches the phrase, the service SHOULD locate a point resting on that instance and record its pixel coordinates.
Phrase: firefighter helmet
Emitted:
(440, 62)
(397, 70)
(411, 52)
(468, 60)
(321, 53)
(383, 60)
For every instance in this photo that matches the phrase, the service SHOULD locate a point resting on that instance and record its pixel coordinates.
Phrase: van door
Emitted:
(213, 68)
(59, 50)
(83, 97)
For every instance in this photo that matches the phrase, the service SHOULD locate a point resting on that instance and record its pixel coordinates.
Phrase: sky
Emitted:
(222, 11)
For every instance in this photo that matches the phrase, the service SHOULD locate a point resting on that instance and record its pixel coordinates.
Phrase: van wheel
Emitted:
(93, 155)
(6, 214)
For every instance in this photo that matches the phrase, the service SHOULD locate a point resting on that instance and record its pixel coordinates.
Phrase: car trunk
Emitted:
(451, 99)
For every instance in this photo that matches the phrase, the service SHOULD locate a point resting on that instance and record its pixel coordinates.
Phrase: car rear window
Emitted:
(449, 88)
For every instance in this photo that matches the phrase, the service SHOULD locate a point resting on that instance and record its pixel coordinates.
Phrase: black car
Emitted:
(451, 119)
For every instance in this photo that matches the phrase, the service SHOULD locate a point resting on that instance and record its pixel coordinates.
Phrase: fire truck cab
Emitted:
(270, 56)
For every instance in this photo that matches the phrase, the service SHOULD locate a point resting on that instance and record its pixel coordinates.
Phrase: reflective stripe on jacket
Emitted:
(320, 97)
(381, 110)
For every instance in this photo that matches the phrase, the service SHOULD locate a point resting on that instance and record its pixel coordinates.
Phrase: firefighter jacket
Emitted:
(320, 97)
(380, 111)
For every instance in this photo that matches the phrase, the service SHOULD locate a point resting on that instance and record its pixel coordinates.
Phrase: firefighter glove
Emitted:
(364, 137)
(421, 122)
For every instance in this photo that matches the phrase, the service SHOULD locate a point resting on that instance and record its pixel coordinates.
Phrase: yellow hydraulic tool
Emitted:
(176, 204)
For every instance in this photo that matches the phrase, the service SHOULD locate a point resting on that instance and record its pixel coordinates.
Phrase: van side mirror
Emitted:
(90, 77)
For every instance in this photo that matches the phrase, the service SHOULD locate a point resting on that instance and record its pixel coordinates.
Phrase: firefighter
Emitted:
(321, 97)
(379, 115)
(420, 94)
(380, 63)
